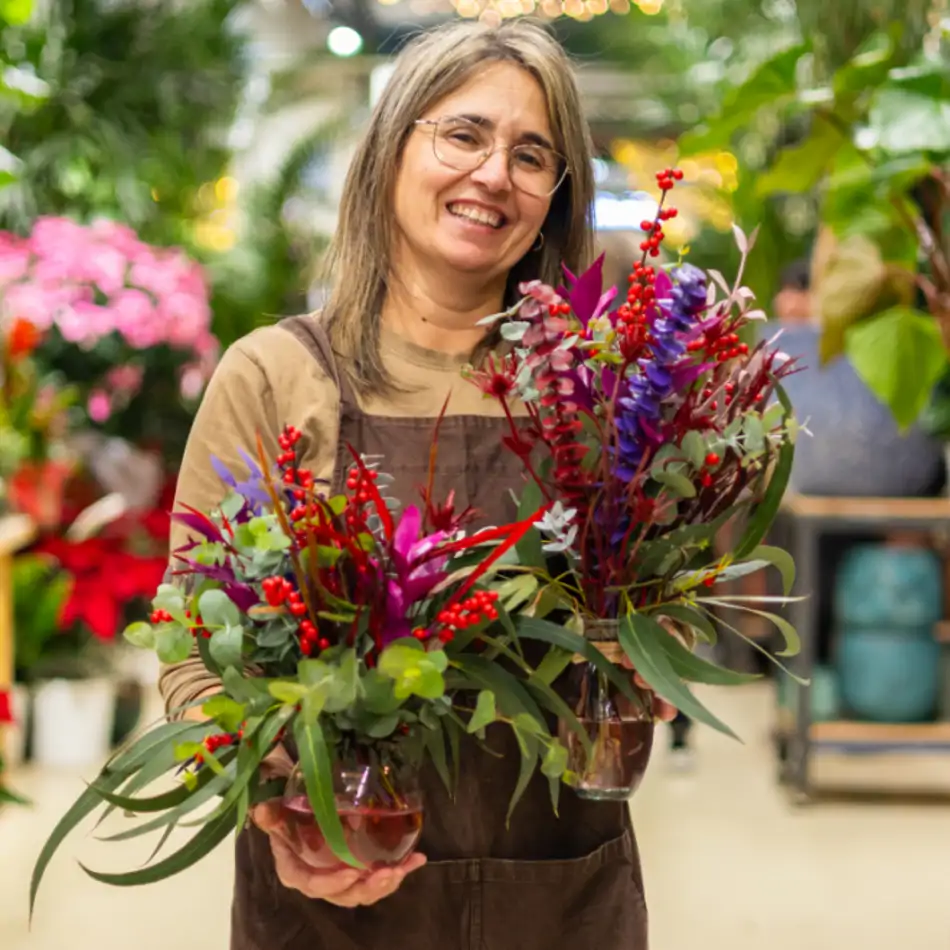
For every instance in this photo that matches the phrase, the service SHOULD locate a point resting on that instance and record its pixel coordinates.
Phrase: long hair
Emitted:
(427, 70)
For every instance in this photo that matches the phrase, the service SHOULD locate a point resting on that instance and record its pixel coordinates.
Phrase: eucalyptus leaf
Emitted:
(227, 645)
(484, 711)
(173, 643)
(140, 635)
(218, 610)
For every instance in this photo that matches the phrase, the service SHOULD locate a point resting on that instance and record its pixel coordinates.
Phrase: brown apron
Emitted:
(545, 883)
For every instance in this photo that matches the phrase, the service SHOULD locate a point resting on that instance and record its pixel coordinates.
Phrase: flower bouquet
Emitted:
(342, 629)
(649, 428)
(128, 324)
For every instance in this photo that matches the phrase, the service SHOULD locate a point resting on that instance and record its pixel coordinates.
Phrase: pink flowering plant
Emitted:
(127, 323)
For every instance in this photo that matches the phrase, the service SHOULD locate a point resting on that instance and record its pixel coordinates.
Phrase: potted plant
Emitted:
(871, 140)
(340, 627)
(648, 429)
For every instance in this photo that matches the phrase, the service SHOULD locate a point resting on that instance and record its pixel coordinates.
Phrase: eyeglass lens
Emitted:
(465, 145)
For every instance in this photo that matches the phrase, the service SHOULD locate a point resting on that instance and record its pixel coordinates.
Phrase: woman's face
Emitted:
(473, 221)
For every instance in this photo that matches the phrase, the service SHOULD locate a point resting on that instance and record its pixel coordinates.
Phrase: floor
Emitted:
(729, 864)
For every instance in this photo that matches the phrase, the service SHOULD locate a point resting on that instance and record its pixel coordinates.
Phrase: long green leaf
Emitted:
(434, 740)
(529, 547)
(81, 808)
(318, 779)
(529, 747)
(208, 785)
(642, 640)
(694, 668)
(690, 617)
(136, 753)
(510, 695)
(205, 841)
(793, 643)
(765, 512)
(531, 628)
(780, 559)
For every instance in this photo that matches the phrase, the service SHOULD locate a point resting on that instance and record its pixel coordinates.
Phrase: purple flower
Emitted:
(681, 299)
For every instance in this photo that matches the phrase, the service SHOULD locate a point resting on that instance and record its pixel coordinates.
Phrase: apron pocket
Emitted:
(589, 903)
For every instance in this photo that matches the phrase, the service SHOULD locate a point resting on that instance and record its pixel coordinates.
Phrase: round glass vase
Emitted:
(380, 807)
(620, 729)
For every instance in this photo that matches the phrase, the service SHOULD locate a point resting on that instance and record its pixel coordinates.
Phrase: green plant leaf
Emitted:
(906, 120)
(484, 711)
(690, 617)
(434, 741)
(771, 84)
(171, 599)
(643, 640)
(765, 512)
(318, 779)
(140, 635)
(227, 713)
(676, 482)
(384, 727)
(218, 610)
(689, 666)
(900, 356)
(694, 448)
(528, 746)
(288, 692)
(529, 547)
(554, 761)
(532, 628)
(227, 646)
(16, 12)
(780, 559)
(793, 643)
(173, 643)
(799, 169)
(87, 802)
(511, 697)
(205, 841)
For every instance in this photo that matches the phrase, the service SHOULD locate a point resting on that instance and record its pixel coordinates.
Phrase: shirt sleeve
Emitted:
(238, 406)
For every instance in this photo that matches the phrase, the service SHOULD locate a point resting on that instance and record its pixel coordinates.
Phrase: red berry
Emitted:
(323, 643)
(712, 459)
(678, 174)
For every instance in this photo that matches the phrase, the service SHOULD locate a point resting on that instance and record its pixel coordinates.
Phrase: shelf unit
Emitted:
(804, 519)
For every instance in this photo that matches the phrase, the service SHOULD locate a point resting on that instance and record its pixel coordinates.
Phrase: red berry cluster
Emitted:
(280, 592)
(310, 639)
(721, 348)
(215, 742)
(277, 590)
(468, 613)
(198, 628)
(301, 478)
(632, 316)
(358, 484)
(160, 616)
(559, 309)
(287, 440)
(711, 461)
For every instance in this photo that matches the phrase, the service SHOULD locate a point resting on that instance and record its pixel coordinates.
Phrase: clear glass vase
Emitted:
(620, 729)
(380, 806)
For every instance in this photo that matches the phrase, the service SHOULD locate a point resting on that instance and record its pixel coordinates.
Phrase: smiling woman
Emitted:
(473, 177)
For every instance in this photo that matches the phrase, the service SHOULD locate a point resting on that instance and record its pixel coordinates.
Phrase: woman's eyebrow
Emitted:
(535, 138)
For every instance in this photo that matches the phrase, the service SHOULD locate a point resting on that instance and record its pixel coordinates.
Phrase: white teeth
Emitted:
(481, 215)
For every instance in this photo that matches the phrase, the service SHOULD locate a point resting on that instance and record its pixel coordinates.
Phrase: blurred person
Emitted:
(475, 174)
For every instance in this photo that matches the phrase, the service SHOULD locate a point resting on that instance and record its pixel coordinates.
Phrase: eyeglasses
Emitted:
(465, 145)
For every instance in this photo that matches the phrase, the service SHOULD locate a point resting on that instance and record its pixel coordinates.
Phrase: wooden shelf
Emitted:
(867, 509)
(878, 737)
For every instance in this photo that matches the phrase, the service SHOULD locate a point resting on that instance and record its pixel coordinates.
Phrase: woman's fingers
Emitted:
(345, 887)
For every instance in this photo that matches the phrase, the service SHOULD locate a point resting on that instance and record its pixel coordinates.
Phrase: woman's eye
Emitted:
(533, 160)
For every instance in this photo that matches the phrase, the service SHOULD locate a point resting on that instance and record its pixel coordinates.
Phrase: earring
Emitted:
(539, 243)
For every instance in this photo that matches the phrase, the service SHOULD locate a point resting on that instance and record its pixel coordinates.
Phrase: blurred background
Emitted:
(200, 146)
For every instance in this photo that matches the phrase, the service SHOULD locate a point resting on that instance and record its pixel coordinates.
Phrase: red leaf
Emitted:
(378, 502)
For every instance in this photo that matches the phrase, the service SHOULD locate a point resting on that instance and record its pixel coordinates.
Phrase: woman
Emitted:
(474, 175)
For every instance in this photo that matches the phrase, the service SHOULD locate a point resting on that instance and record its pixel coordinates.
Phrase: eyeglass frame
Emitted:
(435, 123)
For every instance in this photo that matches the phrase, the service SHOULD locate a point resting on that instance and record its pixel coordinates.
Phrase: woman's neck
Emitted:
(440, 314)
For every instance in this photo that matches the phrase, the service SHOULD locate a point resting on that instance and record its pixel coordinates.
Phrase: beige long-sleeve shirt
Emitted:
(269, 379)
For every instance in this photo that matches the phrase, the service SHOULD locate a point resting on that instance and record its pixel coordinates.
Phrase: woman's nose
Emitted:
(494, 174)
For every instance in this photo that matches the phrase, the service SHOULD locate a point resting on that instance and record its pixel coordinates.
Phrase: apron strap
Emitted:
(308, 328)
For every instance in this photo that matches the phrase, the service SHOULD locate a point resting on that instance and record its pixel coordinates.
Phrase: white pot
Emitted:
(72, 722)
(15, 735)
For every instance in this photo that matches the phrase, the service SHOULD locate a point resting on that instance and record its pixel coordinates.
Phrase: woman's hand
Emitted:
(343, 885)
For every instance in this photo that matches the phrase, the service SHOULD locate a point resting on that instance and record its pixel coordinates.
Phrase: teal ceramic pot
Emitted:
(888, 674)
(855, 447)
(878, 585)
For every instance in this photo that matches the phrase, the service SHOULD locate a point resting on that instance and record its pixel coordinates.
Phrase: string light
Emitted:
(494, 11)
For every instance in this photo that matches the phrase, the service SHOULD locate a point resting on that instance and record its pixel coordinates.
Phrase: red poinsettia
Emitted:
(6, 708)
(105, 578)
